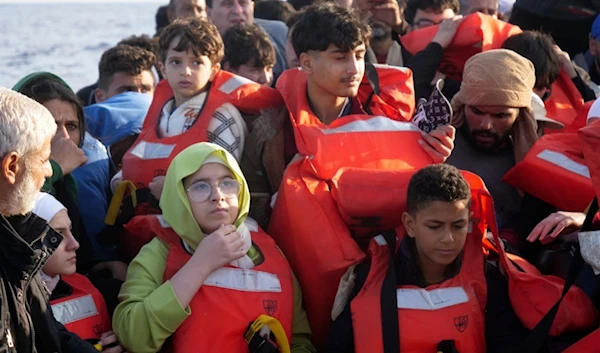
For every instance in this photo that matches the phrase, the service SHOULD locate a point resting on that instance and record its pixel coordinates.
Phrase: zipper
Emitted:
(39, 265)
(9, 339)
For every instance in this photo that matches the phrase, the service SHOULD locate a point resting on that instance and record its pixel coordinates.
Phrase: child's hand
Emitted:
(221, 247)
(156, 186)
(109, 339)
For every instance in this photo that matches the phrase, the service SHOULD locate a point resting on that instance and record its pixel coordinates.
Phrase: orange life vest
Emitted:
(554, 170)
(83, 312)
(349, 181)
(565, 103)
(590, 142)
(231, 298)
(151, 155)
(460, 318)
(588, 344)
(477, 33)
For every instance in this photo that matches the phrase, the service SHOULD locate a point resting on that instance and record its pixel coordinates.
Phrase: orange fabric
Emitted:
(532, 294)
(442, 324)
(590, 141)
(566, 104)
(220, 316)
(249, 98)
(476, 34)
(396, 96)
(552, 182)
(316, 199)
(136, 234)
(90, 327)
(588, 344)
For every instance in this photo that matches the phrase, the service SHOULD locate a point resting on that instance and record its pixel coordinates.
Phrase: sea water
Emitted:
(66, 39)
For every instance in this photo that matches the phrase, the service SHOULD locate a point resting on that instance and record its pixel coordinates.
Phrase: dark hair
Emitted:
(275, 10)
(162, 17)
(439, 182)
(437, 6)
(301, 4)
(248, 44)
(45, 90)
(197, 35)
(538, 47)
(327, 23)
(143, 41)
(294, 19)
(123, 58)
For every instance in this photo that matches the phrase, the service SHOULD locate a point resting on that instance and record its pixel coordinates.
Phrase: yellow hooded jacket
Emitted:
(149, 311)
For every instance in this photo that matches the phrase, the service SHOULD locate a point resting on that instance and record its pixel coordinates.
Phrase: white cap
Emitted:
(594, 111)
(46, 206)
(539, 111)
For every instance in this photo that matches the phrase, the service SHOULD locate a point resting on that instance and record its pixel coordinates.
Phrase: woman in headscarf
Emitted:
(80, 170)
(211, 271)
(75, 302)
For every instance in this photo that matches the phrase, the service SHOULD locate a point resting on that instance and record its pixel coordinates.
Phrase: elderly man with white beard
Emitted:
(26, 322)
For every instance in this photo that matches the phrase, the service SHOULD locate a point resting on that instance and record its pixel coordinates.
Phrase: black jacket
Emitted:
(26, 321)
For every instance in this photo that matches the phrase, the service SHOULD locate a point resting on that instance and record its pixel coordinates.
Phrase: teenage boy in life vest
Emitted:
(199, 103)
(439, 288)
(330, 42)
(211, 271)
(75, 302)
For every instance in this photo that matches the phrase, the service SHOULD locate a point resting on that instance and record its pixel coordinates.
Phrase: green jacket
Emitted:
(149, 311)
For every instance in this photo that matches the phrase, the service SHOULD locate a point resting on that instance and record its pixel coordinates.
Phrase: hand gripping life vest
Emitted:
(554, 170)
(231, 298)
(450, 311)
(151, 155)
(477, 33)
(84, 311)
(348, 182)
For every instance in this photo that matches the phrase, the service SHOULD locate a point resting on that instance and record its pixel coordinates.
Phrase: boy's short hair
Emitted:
(275, 10)
(143, 41)
(327, 23)
(293, 19)
(538, 47)
(197, 35)
(437, 6)
(128, 59)
(439, 182)
(248, 44)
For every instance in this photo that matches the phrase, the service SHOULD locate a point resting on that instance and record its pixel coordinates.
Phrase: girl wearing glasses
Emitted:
(212, 280)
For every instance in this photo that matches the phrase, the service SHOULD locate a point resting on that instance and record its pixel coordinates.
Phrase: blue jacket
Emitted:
(118, 117)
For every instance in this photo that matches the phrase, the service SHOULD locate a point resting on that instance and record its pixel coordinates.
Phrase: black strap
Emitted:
(538, 336)
(373, 77)
(389, 307)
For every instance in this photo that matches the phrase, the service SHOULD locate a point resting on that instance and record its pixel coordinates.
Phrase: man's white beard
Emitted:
(22, 199)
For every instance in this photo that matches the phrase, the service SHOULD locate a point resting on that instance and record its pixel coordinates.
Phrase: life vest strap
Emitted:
(258, 344)
(540, 332)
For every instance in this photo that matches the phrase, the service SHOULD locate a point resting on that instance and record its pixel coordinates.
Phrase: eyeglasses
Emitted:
(201, 191)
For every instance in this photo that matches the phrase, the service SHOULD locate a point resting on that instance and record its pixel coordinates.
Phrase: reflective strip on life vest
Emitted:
(435, 299)
(152, 150)
(378, 123)
(244, 280)
(389, 67)
(75, 309)
(564, 162)
(234, 83)
(162, 221)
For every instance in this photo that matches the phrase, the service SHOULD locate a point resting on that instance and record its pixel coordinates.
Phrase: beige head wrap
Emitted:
(500, 78)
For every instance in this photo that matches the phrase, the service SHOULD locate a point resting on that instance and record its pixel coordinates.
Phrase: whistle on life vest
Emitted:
(260, 344)
(98, 347)
(447, 347)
